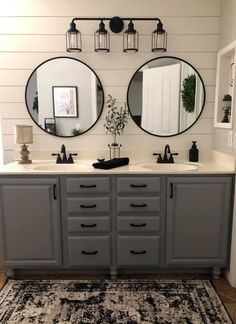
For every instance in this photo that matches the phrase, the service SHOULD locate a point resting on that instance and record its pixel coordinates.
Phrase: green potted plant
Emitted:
(188, 93)
(76, 131)
(227, 99)
(116, 119)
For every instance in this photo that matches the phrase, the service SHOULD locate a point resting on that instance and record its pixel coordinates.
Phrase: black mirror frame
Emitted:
(71, 58)
(204, 95)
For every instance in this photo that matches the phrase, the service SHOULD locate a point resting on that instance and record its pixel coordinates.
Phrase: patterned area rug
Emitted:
(108, 302)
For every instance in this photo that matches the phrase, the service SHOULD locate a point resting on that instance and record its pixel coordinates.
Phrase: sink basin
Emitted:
(60, 167)
(165, 167)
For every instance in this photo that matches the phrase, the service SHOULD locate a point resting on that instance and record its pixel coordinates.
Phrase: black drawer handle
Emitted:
(54, 191)
(171, 190)
(89, 253)
(88, 225)
(88, 186)
(88, 206)
(136, 205)
(138, 252)
(138, 186)
(138, 225)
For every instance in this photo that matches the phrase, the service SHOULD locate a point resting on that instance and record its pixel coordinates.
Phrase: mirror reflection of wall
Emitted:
(166, 96)
(78, 88)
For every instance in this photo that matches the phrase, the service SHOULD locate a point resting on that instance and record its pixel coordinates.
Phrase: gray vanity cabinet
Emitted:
(30, 229)
(198, 221)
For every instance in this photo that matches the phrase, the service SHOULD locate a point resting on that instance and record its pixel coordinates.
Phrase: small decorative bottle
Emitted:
(193, 153)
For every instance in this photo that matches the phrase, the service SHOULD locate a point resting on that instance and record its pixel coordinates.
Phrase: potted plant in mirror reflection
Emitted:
(188, 93)
(226, 106)
(76, 132)
(116, 119)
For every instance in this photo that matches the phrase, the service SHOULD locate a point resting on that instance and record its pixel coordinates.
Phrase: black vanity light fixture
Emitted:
(116, 24)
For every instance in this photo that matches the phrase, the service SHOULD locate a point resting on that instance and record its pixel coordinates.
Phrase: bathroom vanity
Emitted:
(123, 220)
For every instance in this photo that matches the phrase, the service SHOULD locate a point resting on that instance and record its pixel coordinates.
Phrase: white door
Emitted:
(161, 96)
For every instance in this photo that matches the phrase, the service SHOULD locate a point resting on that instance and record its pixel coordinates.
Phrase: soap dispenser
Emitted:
(193, 153)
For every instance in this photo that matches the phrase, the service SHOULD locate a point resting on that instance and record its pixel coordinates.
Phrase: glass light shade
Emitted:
(102, 39)
(159, 39)
(73, 39)
(130, 39)
(23, 134)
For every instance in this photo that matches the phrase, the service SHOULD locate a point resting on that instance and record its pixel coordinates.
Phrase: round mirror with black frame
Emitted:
(64, 96)
(166, 96)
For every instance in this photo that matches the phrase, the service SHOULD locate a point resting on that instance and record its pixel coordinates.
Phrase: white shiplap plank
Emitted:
(6, 93)
(103, 61)
(206, 126)
(14, 110)
(132, 142)
(19, 110)
(107, 77)
(59, 25)
(103, 8)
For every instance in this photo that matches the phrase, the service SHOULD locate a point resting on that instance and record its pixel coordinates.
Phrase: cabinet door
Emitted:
(30, 222)
(198, 216)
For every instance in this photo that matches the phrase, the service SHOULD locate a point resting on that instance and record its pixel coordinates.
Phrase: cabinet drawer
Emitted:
(138, 205)
(138, 251)
(88, 224)
(88, 185)
(88, 205)
(138, 224)
(138, 185)
(89, 251)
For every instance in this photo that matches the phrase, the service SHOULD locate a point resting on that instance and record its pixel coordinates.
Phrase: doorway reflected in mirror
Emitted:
(166, 96)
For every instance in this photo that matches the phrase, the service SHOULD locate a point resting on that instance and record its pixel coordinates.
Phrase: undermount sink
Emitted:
(165, 167)
(60, 167)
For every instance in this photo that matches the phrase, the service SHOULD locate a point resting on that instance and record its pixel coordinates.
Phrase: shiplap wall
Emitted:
(33, 31)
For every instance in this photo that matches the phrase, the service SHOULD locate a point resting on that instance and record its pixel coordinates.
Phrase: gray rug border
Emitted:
(9, 282)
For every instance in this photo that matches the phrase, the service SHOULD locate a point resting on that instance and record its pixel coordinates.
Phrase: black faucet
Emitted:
(166, 158)
(166, 151)
(63, 152)
(64, 158)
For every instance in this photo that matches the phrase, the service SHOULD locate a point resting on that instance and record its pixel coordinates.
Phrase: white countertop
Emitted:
(85, 167)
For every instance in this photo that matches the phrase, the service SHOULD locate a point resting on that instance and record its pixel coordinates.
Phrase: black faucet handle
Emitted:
(159, 158)
(171, 159)
(58, 160)
(70, 158)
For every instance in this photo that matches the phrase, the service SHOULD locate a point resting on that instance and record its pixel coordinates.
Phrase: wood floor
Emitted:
(225, 291)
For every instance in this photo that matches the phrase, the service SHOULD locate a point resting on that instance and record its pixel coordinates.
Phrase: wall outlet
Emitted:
(230, 138)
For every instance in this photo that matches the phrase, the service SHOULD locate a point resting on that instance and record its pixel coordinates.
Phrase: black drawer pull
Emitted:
(89, 253)
(88, 206)
(138, 252)
(54, 191)
(88, 225)
(136, 205)
(88, 186)
(138, 186)
(171, 190)
(138, 225)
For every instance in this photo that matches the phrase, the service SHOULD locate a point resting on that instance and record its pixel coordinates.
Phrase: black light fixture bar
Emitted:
(116, 24)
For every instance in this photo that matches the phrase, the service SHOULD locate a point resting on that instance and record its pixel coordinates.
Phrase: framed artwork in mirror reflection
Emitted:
(65, 101)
